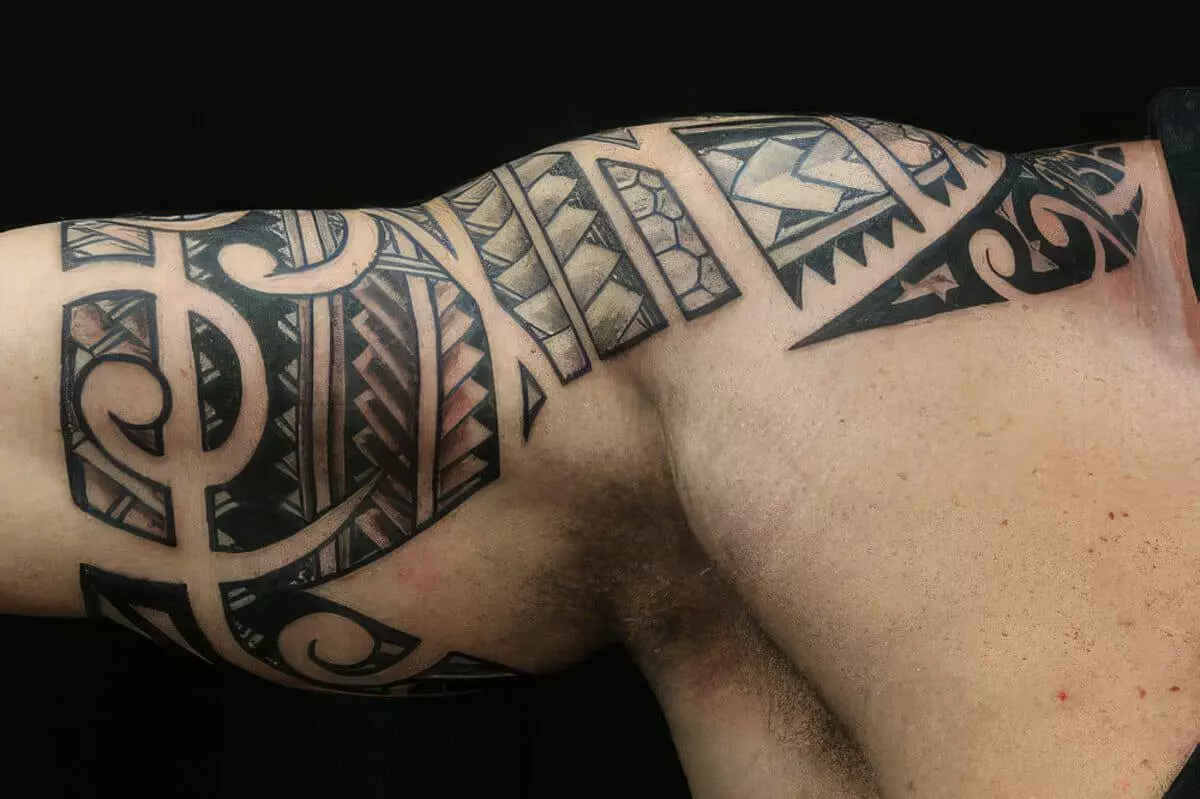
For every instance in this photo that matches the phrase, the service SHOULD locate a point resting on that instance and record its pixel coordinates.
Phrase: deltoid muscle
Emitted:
(314, 388)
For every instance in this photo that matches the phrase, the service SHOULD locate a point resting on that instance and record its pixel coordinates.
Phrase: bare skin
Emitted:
(970, 536)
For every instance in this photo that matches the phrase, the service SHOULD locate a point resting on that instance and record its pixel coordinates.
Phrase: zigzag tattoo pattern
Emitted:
(290, 396)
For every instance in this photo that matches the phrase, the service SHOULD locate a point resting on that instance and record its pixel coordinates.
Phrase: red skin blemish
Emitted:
(1141, 692)
(1062, 696)
(1174, 689)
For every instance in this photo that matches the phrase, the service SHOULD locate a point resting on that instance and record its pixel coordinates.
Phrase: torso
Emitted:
(976, 534)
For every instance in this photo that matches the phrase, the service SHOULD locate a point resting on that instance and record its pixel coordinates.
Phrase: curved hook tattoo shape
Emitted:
(305, 542)
(257, 269)
(144, 403)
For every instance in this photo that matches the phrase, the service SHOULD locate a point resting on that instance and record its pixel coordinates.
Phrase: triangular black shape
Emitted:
(361, 547)
(849, 194)
(952, 176)
(937, 190)
(879, 308)
(852, 245)
(791, 276)
(880, 229)
(459, 665)
(148, 438)
(793, 216)
(820, 261)
(1127, 223)
(970, 151)
(532, 399)
(621, 136)
(1114, 258)
(907, 218)
(123, 593)
(741, 153)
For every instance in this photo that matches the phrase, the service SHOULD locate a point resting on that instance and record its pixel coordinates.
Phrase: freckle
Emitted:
(1091, 550)
(1004, 523)
(1104, 539)
(1062, 696)
(1141, 692)
(1174, 689)
(1112, 515)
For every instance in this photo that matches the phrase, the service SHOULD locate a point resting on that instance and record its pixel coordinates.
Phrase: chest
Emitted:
(982, 541)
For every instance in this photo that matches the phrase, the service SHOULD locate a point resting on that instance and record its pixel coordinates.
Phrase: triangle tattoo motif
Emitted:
(532, 399)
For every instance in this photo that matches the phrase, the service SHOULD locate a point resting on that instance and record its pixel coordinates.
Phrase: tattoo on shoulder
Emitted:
(697, 279)
(867, 223)
(290, 396)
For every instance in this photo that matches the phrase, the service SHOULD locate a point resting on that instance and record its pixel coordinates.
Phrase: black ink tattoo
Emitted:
(532, 400)
(264, 613)
(844, 209)
(317, 387)
(116, 330)
(422, 218)
(99, 239)
(518, 275)
(341, 402)
(806, 195)
(218, 379)
(583, 246)
(1006, 247)
(697, 279)
(622, 136)
(159, 611)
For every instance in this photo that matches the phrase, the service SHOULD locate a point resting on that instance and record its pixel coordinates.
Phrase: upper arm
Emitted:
(349, 448)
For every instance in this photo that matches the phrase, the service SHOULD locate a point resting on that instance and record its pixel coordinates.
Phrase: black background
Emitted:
(107, 109)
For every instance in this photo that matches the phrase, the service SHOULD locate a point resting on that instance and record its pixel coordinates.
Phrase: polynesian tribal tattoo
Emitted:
(315, 388)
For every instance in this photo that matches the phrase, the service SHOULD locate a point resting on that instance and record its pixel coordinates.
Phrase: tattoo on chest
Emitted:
(283, 398)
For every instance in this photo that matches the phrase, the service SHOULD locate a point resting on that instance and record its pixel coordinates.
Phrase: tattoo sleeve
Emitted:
(273, 401)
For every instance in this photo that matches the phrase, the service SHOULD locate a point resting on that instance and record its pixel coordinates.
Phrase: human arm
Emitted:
(632, 335)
